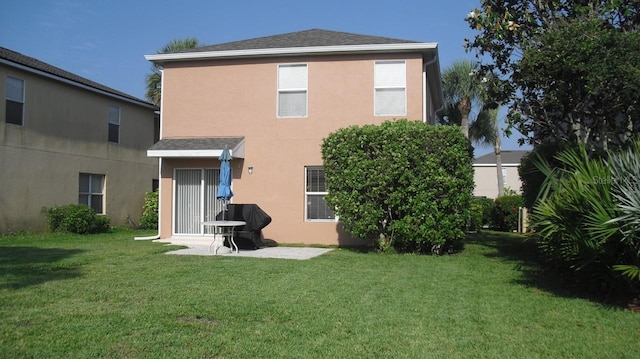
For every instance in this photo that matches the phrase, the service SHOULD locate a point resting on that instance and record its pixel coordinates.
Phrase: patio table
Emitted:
(225, 230)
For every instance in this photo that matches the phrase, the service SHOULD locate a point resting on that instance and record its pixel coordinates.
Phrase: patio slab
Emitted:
(200, 247)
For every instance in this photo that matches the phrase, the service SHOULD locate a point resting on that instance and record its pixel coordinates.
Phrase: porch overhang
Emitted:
(197, 147)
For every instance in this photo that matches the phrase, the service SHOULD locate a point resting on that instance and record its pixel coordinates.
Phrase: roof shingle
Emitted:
(30, 62)
(307, 38)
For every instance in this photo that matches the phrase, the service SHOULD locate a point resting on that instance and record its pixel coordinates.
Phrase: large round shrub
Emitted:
(403, 184)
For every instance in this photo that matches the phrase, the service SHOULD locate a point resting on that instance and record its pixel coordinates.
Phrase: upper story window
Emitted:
(390, 88)
(315, 191)
(114, 124)
(15, 101)
(292, 90)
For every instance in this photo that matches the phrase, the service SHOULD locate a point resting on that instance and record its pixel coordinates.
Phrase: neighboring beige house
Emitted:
(65, 139)
(273, 100)
(486, 175)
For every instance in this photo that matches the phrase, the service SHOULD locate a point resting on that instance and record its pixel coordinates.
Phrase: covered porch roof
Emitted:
(196, 147)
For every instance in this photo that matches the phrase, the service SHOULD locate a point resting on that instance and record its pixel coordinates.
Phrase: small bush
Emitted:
(481, 211)
(149, 219)
(505, 212)
(75, 218)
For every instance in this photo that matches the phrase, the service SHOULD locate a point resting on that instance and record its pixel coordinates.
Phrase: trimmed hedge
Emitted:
(75, 218)
(481, 213)
(403, 184)
(505, 212)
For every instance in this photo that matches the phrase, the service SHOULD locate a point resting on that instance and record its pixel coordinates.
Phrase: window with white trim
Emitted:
(390, 81)
(292, 90)
(315, 191)
(14, 109)
(114, 124)
(91, 191)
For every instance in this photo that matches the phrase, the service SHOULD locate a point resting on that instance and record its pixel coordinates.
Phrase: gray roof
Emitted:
(307, 38)
(17, 58)
(507, 157)
(196, 143)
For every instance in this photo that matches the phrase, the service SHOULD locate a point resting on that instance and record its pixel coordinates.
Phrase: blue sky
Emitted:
(105, 41)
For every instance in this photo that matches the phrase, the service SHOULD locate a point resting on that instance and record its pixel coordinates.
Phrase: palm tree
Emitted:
(463, 90)
(154, 79)
(485, 131)
(462, 87)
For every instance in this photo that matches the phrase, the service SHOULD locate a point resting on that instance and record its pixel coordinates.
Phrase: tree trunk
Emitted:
(497, 149)
(465, 108)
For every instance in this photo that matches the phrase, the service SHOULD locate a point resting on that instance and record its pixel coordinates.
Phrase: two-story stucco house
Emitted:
(272, 101)
(65, 139)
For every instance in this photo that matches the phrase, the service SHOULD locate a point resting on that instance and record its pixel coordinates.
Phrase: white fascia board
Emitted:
(314, 50)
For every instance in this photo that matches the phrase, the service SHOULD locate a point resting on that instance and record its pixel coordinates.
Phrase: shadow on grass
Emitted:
(25, 266)
(525, 256)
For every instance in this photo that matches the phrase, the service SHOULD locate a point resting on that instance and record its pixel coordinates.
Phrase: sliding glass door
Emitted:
(195, 199)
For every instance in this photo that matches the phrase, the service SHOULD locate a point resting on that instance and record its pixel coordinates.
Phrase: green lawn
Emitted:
(67, 296)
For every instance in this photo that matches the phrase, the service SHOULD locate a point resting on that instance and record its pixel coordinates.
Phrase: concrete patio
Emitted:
(199, 246)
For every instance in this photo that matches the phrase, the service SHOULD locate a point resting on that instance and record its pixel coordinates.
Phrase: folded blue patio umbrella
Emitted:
(224, 186)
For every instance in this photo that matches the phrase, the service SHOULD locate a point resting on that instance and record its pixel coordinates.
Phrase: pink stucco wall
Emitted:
(239, 98)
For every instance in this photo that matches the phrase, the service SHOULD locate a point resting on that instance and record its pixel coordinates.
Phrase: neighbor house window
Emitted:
(114, 124)
(292, 90)
(390, 81)
(92, 191)
(15, 101)
(316, 190)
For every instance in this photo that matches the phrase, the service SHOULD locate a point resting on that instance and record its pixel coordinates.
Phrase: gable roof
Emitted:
(309, 42)
(508, 157)
(16, 59)
(307, 38)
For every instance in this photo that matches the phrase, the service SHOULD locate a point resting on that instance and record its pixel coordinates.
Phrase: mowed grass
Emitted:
(68, 296)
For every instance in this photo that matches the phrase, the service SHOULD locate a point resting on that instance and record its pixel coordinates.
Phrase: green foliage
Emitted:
(573, 218)
(75, 218)
(532, 178)
(149, 219)
(625, 186)
(559, 65)
(481, 209)
(505, 212)
(403, 184)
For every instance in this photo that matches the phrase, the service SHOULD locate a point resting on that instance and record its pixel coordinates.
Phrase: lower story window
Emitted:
(316, 190)
(91, 191)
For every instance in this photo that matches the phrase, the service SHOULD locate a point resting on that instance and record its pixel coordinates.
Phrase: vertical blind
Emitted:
(195, 199)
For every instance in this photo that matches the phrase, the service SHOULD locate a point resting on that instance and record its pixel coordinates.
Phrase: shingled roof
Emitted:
(508, 157)
(307, 38)
(31, 63)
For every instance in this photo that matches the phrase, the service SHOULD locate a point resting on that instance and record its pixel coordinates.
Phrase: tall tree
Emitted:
(561, 65)
(462, 88)
(154, 79)
(461, 79)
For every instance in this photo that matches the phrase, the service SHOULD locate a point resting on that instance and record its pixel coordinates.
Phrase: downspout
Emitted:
(157, 235)
(424, 90)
